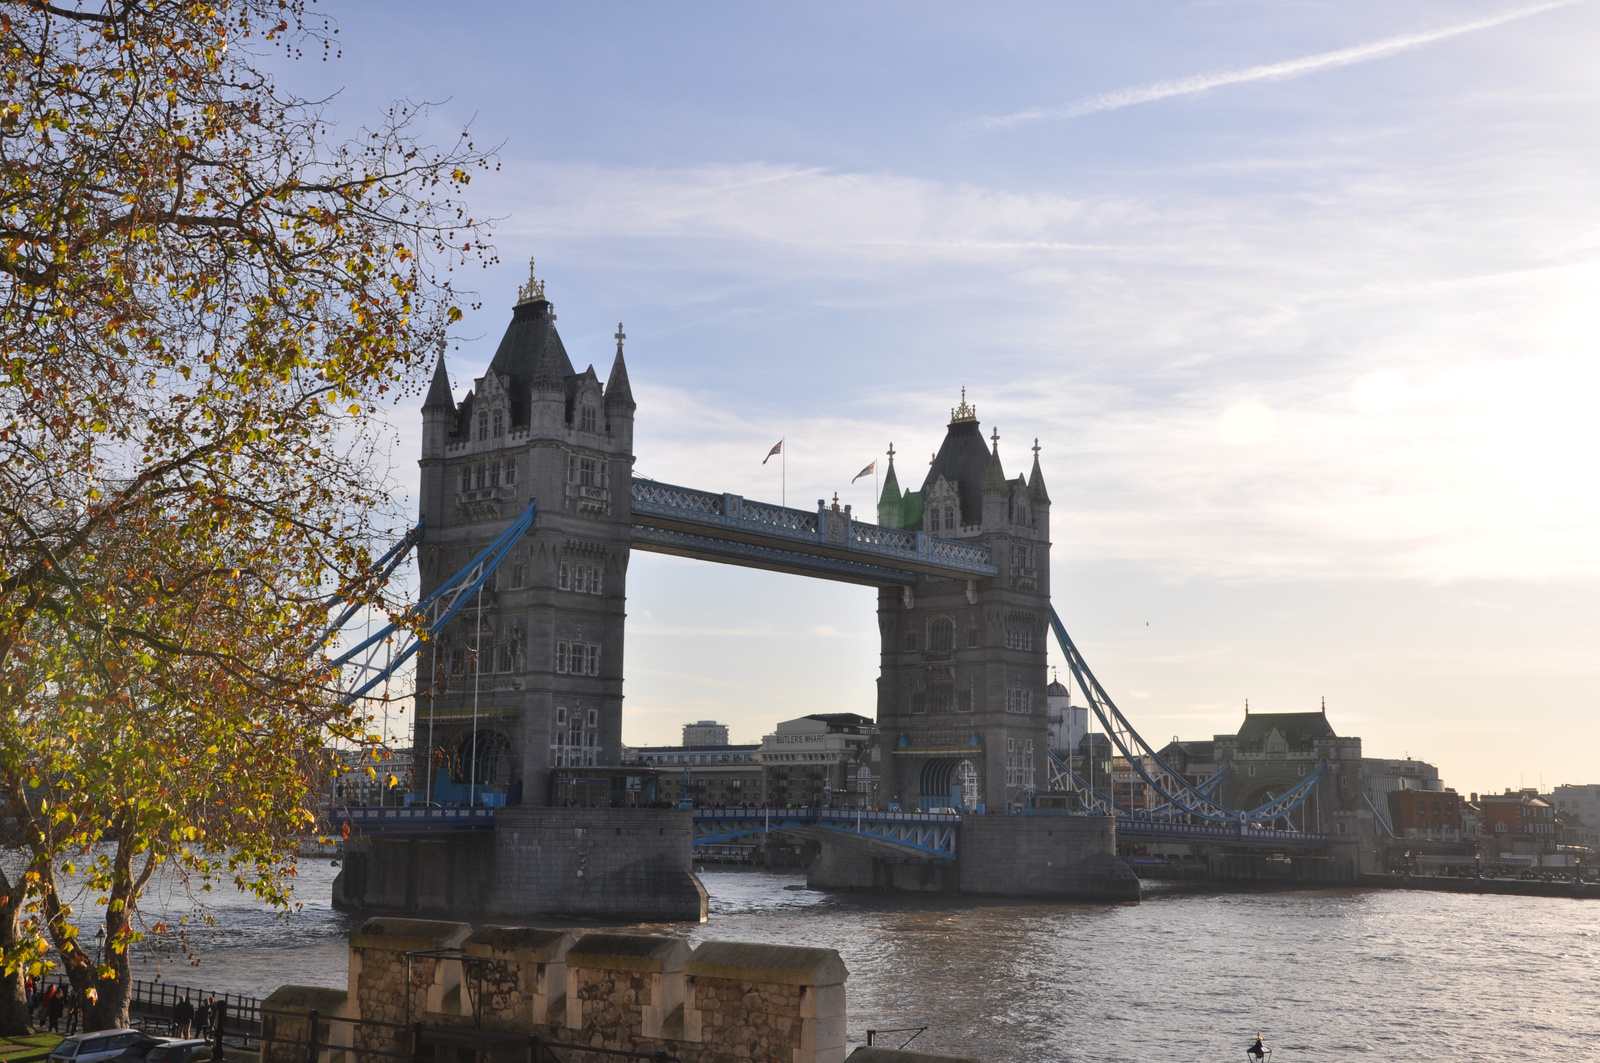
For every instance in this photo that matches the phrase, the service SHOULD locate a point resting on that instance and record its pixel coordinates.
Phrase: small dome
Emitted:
(1056, 689)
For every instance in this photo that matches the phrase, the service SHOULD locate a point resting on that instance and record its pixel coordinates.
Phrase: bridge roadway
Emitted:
(829, 543)
(932, 834)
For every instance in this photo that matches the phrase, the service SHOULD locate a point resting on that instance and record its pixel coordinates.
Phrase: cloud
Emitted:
(1361, 53)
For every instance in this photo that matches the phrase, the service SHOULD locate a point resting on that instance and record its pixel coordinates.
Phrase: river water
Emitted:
(1324, 974)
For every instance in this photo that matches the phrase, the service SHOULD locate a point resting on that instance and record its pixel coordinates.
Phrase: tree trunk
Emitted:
(13, 1001)
(110, 1011)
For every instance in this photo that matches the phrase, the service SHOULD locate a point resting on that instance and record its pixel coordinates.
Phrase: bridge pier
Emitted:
(1041, 856)
(584, 862)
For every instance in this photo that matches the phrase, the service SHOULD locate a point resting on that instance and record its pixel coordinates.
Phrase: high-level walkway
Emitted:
(829, 543)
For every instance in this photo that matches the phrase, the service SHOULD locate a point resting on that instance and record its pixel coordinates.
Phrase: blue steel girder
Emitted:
(727, 527)
(1225, 833)
(778, 559)
(925, 833)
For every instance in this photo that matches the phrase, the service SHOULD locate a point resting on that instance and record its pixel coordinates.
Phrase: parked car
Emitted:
(102, 1046)
(179, 1052)
(136, 1052)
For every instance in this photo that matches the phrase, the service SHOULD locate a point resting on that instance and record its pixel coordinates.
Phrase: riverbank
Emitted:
(1508, 887)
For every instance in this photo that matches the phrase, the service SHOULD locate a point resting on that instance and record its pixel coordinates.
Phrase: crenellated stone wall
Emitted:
(489, 990)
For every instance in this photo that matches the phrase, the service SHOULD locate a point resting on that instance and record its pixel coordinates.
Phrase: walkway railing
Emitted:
(401, 820)
(824, 528)
(927, 833)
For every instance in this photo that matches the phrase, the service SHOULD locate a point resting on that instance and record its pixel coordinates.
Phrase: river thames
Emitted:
(1323, 974)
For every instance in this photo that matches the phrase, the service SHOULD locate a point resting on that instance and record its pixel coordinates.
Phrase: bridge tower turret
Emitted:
(961, 697)
(528, 678)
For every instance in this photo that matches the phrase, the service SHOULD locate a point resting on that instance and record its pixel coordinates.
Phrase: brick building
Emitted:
(1426, 814)
(1517, 823)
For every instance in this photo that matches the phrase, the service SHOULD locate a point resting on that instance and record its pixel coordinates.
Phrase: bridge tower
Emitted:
(529, 675)
(961, 696)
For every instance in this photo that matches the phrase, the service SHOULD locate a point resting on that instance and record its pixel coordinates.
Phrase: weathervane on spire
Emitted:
(1035, 448)
(963, 412)
(996, 438)
(533, 291)
(620, 336)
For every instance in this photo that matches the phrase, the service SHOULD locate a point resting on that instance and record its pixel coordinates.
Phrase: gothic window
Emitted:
(516, 575)
(564, 581)
(586, 472)
(594, 717)
(466, 477)
(494, 475)
(503, 657)
(577, 658)
(483, 425)
(1019, 700)
(458, 660)
(964, 699)
(911, 640)
(588, 419)
(863, 780)
(941, 697)
(972, 638)
(480, 477)
(499, 424)
(919, 702)
(1019, 638)
(511, 474)
(941, 636)
(561, 716)
(1021, 557)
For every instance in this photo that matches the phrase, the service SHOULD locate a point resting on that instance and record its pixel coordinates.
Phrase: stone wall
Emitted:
(609, 863)
(489, 990)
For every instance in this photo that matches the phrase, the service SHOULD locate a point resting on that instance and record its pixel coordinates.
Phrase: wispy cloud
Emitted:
(1361, 53)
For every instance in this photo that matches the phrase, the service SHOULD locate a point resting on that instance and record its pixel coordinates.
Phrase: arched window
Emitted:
(941, 636)
(588, 419)
(499, 424)
(484, 758)
(483, 425)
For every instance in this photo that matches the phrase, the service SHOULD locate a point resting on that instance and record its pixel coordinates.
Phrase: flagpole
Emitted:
(783, 463)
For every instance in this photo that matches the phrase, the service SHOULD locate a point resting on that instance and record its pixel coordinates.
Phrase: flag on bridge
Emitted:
(868, 471)
(777, 448)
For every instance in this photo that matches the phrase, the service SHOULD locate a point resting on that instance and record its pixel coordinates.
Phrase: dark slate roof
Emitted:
(963, 459)
(439, 395)
(618, 393)
(1300, 729)
(1036, 481)
(1056, 689)
(531, 351)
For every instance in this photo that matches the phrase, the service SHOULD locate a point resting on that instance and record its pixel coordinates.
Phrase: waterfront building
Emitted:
(705, 733)
(1425, 815)
(1274, 751)
(1581, 801)
(717, 775)
(1068, 722)
(362, 777)
(825, 759)
(1518, 826)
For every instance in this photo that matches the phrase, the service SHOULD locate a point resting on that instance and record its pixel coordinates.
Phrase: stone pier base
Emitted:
(1050, 857)
(630, 864)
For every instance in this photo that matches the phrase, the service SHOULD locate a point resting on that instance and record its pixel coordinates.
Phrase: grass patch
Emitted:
(30, 1049)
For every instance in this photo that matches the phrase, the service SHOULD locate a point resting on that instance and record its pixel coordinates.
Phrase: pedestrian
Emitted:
(54, 1004)
(207, 1011)
(183, 1016)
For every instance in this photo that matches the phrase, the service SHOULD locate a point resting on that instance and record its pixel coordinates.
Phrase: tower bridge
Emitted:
(531, 512)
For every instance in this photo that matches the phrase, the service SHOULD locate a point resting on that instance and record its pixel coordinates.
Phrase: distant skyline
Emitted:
(1299, 299)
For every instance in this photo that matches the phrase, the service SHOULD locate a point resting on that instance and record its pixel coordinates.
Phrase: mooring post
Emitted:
(416, 1042)
(312, 1018)
(219, 1018)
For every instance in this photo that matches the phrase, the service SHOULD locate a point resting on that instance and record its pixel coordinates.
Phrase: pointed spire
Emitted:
(1041, 497)
(618, 393)
(439, 395)
(994, 477)
(533, 291)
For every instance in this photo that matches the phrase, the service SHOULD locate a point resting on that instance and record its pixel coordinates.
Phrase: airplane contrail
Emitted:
(1361, 53)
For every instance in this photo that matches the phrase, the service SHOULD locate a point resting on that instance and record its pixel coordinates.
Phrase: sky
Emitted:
(1299, 300)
